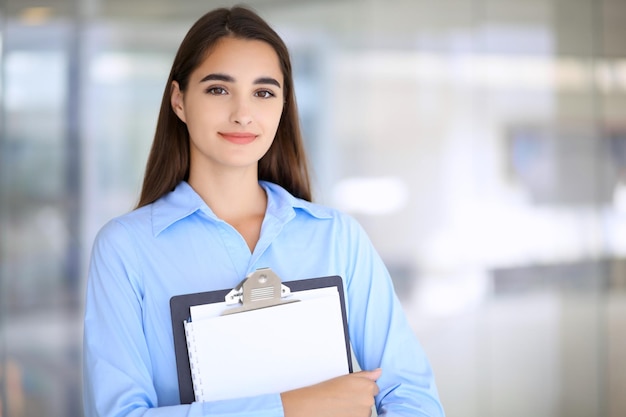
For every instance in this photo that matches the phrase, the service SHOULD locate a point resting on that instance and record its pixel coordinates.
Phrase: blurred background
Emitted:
(481, 143)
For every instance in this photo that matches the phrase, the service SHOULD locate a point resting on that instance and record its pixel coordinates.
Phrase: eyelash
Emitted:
(264, 94)
(219, 91)
(213, 91)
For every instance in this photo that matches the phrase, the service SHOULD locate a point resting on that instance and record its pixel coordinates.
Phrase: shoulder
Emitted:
(121, 229)
(152, 219)
(280, 201)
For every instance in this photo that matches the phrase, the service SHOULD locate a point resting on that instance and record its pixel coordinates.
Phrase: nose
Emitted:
(241, 113)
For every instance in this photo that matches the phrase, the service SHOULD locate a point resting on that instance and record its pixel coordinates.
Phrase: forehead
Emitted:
(234, 56)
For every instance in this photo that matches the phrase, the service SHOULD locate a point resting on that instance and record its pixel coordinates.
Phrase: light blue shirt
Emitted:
(178, 246)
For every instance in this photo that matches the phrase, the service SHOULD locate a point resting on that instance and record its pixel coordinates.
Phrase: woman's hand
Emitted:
(349, 395)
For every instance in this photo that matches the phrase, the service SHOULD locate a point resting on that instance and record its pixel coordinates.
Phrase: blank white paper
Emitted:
(270, 350)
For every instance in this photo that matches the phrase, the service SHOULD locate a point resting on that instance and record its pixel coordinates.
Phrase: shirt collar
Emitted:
(183, 201)
(178, 204)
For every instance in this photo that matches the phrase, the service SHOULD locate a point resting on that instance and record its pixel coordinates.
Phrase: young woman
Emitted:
(226, 192)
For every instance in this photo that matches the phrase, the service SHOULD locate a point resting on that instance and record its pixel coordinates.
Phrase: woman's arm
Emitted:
(382, 338)
(119, 364)
(346, 396)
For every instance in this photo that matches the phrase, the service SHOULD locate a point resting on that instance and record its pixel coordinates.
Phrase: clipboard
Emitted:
(293, 308)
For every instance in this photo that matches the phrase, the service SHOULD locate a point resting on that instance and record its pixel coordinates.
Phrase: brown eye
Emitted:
(216, 91)
(264, 94)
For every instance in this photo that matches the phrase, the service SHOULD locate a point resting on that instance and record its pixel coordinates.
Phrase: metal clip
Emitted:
(260, 289)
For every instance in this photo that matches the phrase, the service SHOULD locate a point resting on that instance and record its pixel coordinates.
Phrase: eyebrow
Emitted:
(228, 79)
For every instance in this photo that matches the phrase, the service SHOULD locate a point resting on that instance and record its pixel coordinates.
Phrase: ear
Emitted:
(177, 102)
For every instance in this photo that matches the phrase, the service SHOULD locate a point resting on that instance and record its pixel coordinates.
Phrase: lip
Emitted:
(239, 138)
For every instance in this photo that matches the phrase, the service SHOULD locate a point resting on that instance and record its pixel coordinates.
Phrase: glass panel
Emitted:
(124, 80)
(610, 73)
(39, 279)
(542, 318)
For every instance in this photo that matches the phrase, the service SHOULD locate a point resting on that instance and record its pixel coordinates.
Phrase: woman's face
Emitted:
(232, 105)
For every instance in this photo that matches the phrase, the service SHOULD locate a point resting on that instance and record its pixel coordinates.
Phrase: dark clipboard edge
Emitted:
(180, 304)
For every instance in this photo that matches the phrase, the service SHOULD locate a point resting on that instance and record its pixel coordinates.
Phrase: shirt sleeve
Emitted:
(382, 337)
(117, 365)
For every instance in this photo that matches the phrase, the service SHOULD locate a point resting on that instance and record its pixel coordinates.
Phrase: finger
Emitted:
(371, 375)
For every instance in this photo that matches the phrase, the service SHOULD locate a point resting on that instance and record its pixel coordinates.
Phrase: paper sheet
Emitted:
(269, 350)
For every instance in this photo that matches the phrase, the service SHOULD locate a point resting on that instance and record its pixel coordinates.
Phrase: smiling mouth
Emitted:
(239, 138)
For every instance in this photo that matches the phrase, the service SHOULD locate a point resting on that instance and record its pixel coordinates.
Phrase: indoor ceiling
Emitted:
(141, 9)
(578, 27)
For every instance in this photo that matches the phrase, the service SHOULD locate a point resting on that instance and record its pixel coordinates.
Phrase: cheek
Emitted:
(204, 115)
(273, 116)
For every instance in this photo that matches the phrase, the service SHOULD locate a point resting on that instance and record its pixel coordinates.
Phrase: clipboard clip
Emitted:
(261, 289)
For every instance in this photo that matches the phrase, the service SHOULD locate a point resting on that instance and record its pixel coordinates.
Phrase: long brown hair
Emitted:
(168, 163)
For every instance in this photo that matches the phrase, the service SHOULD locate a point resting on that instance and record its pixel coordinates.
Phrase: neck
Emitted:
(237, 198)
(232, 196)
